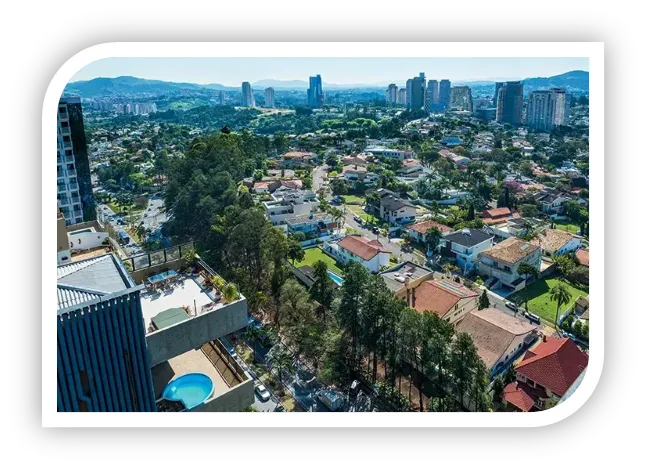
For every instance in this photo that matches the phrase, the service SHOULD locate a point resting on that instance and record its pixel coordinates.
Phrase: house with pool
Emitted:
(371, 254)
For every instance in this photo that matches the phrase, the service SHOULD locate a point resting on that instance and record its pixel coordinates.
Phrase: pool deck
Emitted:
(193, 361)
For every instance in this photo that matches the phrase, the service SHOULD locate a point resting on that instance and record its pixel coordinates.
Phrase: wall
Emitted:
(571, 246)
(234, 400)
(194, 332)
(139, 276)
(460, 310)
(88, 240)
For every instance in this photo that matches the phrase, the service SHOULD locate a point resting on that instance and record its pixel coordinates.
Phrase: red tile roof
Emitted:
(440, 296)
(424, 226)
(362, 247)
(521, 395)
(496, 215)
(555, 364)
(583, 255)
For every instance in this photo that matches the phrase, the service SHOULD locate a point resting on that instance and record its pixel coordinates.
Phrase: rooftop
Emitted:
(493, 332)
(511, 250)
(316, 217)
(89, 280)
(391, 202)
(551, 240)
(468, 237)
(424, 226)
(440, 296)
(362, 247)
(583, 256)
(396, 276)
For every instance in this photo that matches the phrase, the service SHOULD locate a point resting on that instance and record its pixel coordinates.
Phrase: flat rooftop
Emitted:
(193, 361)
(407, 269)
(184, 292)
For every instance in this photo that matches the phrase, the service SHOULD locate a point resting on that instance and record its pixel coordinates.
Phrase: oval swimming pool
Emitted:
(191, 389)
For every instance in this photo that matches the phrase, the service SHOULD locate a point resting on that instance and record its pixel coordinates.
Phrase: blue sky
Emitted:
(233, 71)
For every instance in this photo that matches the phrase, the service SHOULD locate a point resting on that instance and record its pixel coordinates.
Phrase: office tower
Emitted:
(102, 358)
(461, 98)
(127, 109)
(401, 97)
(221, 98)
(248, 99)
(444, 95)
(431, 99)
(509, 108)
(315, 92)
(74, 185)
(499, 85)
(416, 93)
(391, 94)
(546, 109)
(269, 98)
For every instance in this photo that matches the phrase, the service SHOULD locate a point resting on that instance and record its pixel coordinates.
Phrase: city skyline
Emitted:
(341, 71)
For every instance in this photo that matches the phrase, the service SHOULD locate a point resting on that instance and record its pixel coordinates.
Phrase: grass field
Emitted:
(357, 210)
(354, 200)
(539, 297)
(574, 229)
(316, 254)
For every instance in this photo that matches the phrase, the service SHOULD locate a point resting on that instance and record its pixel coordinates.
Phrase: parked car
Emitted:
(357, 219)
(262, 392)
(279, 408)
(375, 230)
(532, 317)
(512, 306)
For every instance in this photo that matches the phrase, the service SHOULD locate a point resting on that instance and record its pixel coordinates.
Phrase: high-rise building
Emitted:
(499, 84)
(315, 92)
(432, 96)
(509, 103)
(444, 95)
(74, 184)
(221, 98)
(391, 94)
(416, 93)
(546, 109)
(461, 98)
(248, 99)
(270, 98)
(103, 361)
(401, 97)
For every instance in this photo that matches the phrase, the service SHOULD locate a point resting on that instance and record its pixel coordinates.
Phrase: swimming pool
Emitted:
(191, 389)
(335, 278)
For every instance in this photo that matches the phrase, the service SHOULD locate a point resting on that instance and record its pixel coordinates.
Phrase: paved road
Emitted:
(317, 177)
(154, 216)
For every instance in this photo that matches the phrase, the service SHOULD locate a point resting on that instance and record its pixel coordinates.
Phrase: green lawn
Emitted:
(316, 254)
(539, 297)
(357, 210)
(574, 229)
(354, 200)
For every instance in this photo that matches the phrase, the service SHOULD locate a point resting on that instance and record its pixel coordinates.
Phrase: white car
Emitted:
(262, 392)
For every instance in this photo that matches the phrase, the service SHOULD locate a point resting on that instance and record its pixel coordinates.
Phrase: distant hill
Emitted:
(576, 81)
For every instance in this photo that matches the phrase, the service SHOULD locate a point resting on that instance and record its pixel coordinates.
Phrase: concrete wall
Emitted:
(87, 240)
(192, 333)
(234, 400)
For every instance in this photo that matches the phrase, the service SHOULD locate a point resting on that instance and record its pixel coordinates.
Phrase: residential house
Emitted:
(296, 159)
(498, 215)
(418, 231)
(449, 299)
(405, 275)
(452, 141)
(498, 337)
(556, 242)
(501, 262)
(553, 204)
(582, 307)
(260, 188)
(281, 187)
(313, 225)
(410, 166)
(389, 153)
(583, 256)
(360, 160)
(353, 174)
(545, 374)
(465, 245)
(289, 204)
(370, 254)
(395, 210)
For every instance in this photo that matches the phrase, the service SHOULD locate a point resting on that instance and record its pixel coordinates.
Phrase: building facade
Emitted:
(503, 260)
(74, 184)
(102, 357)
(461, 98)
(416, 92)
(444, 95)
(315, 98)
(270, 98)
(509, 103)
(499, 84)
(391, 94)
(248, 99)
(401, 97)
(221, 98)
(432, 96)
(546, 109)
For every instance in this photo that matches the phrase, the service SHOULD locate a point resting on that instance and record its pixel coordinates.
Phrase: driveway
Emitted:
(318, 174)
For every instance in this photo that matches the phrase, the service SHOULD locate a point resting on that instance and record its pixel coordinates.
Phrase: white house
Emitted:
(556, 242)
(410, 166)
(371, 254)
(498, 337)
(352, 174)
(502, 261)
(418, 230)
(395, 210)
(390, 153)
(291, 203)
(466, 245)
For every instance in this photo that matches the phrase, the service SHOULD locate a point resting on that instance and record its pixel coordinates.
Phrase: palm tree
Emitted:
(528, 271)
(282, 360)
(253, 335)
(561, 295)
(433, 237)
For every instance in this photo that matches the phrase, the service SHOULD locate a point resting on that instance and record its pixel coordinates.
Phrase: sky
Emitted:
(233, 71)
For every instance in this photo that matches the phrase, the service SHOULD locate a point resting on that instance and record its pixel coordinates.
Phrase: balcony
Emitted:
(69, 158)
(67, 145)
(77, 214)
(65, 130)
(59, 160)
(76, 200)
(73, 186)
(71, 172)
(62, 188)
(60, 174)
(64, 201)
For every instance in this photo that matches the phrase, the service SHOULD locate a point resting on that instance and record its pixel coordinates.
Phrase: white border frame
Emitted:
(593, 50)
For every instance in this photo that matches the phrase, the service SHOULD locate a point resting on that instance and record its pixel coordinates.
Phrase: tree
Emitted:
(497, 388)
(463, 362)
(433, 237)
(295, 251)
(349, 311)
(322, 290)
(280, 358)
(564, 264)
(561, 295)
(479, 387)
(230, 292)
(529, 210)
(294, 303)
(253, 335)
(338, 187)
(528, 271)
(483, 301)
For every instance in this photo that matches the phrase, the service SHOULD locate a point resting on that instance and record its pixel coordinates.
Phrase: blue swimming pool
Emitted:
(335, 278)
(191, 389)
